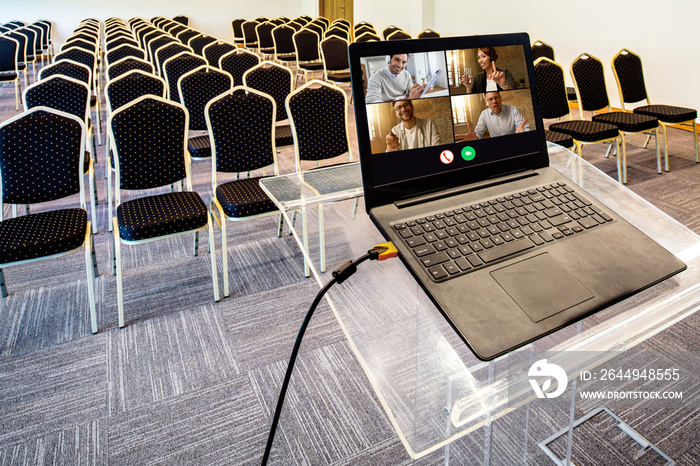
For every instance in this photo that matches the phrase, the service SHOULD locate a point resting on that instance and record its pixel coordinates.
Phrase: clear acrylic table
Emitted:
(433, 389)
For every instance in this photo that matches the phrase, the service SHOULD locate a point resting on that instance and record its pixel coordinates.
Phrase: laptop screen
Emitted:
(433, 114)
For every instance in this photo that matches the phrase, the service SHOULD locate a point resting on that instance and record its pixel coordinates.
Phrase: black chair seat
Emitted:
(266, 50)
(8, 76)
(199, 147)
(668, 113)
(339, 77)
(312, 66)
(42, 234)
(283, 136)
(161, 215)
(292, 57)
(586, 131)
(571, 93)
(243, 198)
(556, 137)
(629, 122)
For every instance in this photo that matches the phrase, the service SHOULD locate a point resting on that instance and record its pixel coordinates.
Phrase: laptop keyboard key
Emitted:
(506, 250)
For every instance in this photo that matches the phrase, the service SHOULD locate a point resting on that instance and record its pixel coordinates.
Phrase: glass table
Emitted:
(433, 389)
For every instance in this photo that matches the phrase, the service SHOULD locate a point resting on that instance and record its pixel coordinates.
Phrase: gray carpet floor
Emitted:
(191, 381)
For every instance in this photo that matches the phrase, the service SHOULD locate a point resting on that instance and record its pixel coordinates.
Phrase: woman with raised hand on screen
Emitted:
(491, 78)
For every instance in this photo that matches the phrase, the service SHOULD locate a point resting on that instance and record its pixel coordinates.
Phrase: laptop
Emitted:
(458, 178)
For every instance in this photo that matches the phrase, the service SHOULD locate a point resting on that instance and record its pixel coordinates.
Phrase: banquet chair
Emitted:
(282, 37)
(187, 35)
(266, 44)
(336, 67)
(198, 43)
(123, 51)
(127, 64)
(237, 27)
(389, 30)
(166, 52)
(156, 44)
(554, 104)
(399, 35)
(147, 217)
(215, 50)
(119, 92)
(182, 19)
(23, 60)
(428, 34)
(589, 80)
(318, 116)
(627, 68)
(237, 62)
(241, 124)
(307, 49)
(196, 88)
(70, 96)
(176, 66)
(9, 72)
(250, 38)
(57, 138)
(277, 82)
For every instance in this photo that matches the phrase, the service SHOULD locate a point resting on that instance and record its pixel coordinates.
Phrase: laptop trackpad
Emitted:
(541, 287)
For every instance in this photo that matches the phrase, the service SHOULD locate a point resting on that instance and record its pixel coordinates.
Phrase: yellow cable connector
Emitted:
(383, 251)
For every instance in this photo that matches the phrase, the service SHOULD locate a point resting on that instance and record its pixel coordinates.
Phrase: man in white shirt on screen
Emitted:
(500, 119)
(393, 82)
(412, 132)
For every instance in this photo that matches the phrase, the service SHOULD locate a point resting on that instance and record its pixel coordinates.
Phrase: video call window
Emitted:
(465, 95)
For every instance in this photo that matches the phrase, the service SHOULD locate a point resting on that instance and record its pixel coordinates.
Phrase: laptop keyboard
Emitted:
(450, 244)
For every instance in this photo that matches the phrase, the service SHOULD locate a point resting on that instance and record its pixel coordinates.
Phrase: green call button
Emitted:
(468, 153)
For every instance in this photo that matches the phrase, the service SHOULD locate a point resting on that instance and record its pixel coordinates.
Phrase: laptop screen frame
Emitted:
(533, 155)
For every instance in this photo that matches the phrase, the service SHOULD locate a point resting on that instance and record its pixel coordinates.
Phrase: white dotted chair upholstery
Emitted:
(236, 63)
(57, 139)
(241, 125)
(277, 82)
(146, 160)
(8, 65)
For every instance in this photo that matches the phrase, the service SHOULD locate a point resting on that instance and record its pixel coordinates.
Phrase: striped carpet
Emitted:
(190, 381)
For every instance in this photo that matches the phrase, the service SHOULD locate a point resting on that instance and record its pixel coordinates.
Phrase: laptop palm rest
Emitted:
(541, 287)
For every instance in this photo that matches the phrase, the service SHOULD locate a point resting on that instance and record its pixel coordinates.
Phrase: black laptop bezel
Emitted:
(377, 194)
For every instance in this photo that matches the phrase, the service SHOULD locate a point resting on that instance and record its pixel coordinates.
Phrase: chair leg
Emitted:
(695, 134)
(321, 238)
(118, 265)
(212, 254)
(93, 200)
(354, 208)
(621, 172)
(280, 226)
(658, 152)
(2, 284)
(305, 237)
(196, 243)
(89, 248)
(224, 251)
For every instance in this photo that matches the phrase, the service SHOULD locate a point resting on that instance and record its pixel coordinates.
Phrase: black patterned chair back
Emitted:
(317, 28)
(22, 45)
(303, 20)
(78, 55)
(236, 63)
(175, 67)
(307, 44)
(212, 52)
(261, 19)
(627, 66)
(175, 29)
(198, 43)
(335, 54)
(273, 80)
(241, 127)
(59, 93)
(121, 40)
(277, 21)
(69, 68)
(155, 44)
(182, 19)
(318, 118)
(540, 49)
(197, 88)
(282, 37)
(81, 44)
(41, 149)
(146, 31)
(89, 38)
(264, 34)
(127, 64)
(8, 54)
(428, 34)
(295, 25)
(389, 30)
(237, 28)
(166, 52)
(337, 32)
(185, 36)
(551, 89)
(367, 37)
(321, 21)
(249, 36)
(130, 86)
(38, 39)
(31, 43)
(149, 137)
(9, 26)
(364, 29)
(398, 35)
(589, 78)
(123, 51)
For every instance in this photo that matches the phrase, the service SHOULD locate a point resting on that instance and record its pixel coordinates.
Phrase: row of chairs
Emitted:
(21, 45)
(606, 125)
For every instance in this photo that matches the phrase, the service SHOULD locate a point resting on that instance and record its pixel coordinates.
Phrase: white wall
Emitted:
(663, 34)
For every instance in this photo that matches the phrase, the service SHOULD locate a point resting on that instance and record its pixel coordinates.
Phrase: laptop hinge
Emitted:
(464, 189)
